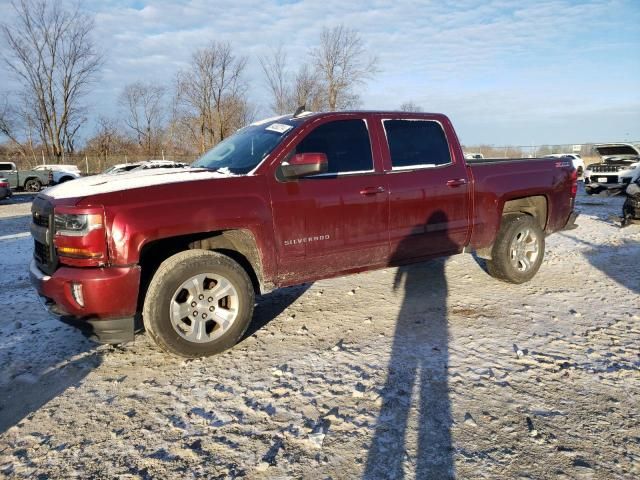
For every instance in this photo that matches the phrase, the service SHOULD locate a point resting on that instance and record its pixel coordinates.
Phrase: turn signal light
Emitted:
(77, 252)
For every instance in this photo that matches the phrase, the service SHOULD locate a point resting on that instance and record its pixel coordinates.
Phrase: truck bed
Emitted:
(499, 180)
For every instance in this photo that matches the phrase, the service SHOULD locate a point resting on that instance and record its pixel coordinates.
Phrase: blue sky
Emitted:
(506, 72)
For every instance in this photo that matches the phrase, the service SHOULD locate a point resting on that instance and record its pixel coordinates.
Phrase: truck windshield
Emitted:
(243, 151)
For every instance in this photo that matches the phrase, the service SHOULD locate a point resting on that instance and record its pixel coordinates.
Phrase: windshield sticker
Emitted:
(279, 127)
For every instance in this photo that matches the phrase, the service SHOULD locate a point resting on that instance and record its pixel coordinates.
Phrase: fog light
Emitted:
(76, 291)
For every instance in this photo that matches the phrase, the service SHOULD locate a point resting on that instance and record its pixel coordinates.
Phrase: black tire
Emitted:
(164, 288)
(511, 259)
(580, 171)
(33, 185)
(65, 179)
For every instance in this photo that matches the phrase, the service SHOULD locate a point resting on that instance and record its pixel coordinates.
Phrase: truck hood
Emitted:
(618, 150)
(621, 163)
(98, 184)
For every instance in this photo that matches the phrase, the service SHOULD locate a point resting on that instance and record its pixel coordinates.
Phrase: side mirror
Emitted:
(303, 165)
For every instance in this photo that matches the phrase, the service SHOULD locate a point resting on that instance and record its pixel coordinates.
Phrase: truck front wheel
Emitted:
(518, 250)
(199, 303)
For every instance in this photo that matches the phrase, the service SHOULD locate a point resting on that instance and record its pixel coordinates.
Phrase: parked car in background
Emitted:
(473, 156)
(61, 173)
(619, 168)
(5, 189)
(145, 165)
(28, 180)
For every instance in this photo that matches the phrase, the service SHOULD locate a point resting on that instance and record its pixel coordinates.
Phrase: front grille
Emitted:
(605, 168)
(42, 253)
(43, 250)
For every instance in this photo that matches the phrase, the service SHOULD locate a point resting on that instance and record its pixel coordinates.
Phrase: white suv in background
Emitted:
(619, 168)
(576, 160)
(61, 173)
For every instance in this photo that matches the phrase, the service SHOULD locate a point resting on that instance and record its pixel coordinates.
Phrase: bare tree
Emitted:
(410, 106)
(290, 92)
(51, 53)
(342, 62)
(104, 141)
(307, 90)
(274, 66)
(11, 123)
(17, 124)
(144, 112)
(210, 89)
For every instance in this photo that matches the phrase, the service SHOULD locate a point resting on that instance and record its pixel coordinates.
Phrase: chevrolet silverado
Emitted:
(284, 201)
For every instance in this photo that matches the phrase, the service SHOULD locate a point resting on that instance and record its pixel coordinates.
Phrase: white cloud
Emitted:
(495, 60)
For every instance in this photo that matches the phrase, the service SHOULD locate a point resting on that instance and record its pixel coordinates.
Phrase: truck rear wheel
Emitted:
(518, 250)
(33, 185)
(199, 303)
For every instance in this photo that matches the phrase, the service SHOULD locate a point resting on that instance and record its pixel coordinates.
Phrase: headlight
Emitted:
(80, 236)
(76, 225)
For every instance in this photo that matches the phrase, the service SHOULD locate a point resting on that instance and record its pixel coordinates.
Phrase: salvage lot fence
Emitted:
(91, 163)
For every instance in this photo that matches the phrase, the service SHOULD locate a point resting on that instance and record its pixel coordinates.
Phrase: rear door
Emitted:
(428, 188)
(336, 221)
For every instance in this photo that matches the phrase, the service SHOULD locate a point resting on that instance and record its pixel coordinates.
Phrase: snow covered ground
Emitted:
(428, 371)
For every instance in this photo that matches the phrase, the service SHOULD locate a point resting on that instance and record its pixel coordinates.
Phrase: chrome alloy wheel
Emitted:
(204, 307)
(524, 250)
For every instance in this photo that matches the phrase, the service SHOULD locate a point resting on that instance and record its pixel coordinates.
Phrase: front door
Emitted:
(336, 221)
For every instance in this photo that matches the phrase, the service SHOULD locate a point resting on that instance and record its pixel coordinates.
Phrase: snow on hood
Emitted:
(97, 184)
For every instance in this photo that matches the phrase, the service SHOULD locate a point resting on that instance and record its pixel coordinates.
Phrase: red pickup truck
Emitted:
(284, 201)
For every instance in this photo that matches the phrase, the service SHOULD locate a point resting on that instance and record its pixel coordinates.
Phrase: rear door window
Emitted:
(416, 144)
(345, 143)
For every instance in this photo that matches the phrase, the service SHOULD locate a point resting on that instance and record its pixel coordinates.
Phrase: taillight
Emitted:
(80, 236)
(574, 183)
(4, 184)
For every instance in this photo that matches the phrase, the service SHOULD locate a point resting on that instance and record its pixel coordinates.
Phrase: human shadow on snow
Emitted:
(418, 363)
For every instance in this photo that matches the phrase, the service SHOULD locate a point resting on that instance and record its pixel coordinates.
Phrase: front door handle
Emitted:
(456, 182)
(372, 190)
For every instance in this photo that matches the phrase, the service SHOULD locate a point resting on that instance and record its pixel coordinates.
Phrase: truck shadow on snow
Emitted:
(40, 356)
(416, 391)
(271, 305)
(618, 262)
(35, 372)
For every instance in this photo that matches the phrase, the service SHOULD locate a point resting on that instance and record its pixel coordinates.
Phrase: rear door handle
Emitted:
(456, 182)
(372, 190)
